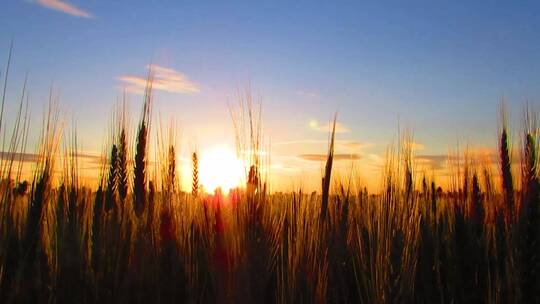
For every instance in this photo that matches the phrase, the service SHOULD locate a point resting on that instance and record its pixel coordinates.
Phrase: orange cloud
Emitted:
(64, 7)
(165, 79)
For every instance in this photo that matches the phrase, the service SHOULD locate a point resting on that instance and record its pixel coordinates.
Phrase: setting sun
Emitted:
(219, 167)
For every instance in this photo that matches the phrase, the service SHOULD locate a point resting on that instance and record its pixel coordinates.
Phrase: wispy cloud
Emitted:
(340, 128)
(65, 7)
(414, 145)
(480, 156)
(22, 157)
(92, 158)
(436, 161)
(347, 145)
(308, 93)
(323, 157)
(284, 168)
(165, 79)
(352, 145)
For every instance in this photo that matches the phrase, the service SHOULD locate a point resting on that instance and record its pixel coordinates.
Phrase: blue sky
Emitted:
(440, 67)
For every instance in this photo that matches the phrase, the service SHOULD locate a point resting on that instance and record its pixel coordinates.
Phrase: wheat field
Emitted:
(138, 238)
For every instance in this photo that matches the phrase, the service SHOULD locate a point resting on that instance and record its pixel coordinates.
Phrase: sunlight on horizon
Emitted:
(220, 168)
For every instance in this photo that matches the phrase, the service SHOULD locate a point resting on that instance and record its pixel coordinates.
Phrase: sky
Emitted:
(438, 69)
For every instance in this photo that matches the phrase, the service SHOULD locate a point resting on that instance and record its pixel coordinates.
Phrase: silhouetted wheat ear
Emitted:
(477, 209)
(97, 226)
(434, 201)
(530, 162)
(506, 170)
(406, 150)
(328, 173)
(139, 183)
(466, 177)
(408, 182)
(151, 204)
(488, 181)
(39, 195)
(171, 172)
(98, 208)
(195, 181)
(61, 207)
(112, 180)
(122, 165)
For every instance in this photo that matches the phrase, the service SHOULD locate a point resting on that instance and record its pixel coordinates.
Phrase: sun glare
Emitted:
(219, 167)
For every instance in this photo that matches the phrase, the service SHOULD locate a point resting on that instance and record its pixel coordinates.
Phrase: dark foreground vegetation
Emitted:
(137, 238)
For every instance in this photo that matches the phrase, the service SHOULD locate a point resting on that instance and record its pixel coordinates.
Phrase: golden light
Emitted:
(219, 167)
